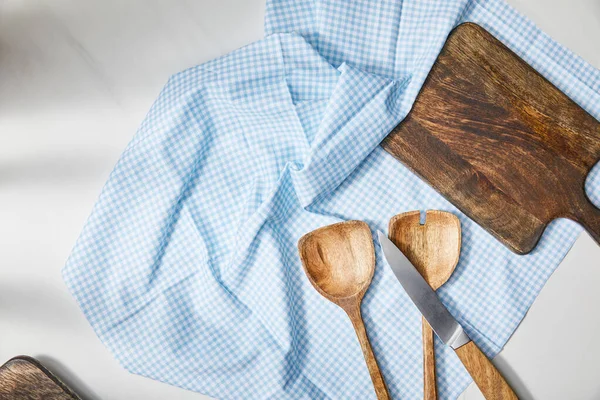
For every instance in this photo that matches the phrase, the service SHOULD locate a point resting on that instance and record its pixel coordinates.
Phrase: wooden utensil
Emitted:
(24, 378)
(434, 249)
(486, 376)
(339, 261)
(499, 141)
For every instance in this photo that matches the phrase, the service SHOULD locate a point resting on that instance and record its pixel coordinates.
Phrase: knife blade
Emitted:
(486, 376)
(437, 315)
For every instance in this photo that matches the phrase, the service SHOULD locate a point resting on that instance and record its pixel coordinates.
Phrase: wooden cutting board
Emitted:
(499, 141)
(24, 378)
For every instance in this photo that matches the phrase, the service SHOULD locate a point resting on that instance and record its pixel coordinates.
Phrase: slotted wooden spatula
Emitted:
(434, 249)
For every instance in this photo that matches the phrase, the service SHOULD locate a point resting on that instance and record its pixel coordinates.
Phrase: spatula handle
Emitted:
(365, 344)
(429, 383)
(486, 376)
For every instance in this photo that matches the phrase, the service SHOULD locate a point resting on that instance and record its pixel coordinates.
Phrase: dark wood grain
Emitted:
(24, 378)
(499, 141)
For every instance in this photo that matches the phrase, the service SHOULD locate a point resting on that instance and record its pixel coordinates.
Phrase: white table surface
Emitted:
(76, 79)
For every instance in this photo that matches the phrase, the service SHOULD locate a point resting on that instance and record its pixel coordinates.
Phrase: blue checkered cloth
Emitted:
(187, 268)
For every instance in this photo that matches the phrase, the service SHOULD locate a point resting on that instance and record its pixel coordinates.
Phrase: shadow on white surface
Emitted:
(68, 377)
(53, 169)
(111, 51)
(512, 377)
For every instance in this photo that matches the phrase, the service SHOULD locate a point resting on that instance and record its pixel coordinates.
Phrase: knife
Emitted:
(486, 376)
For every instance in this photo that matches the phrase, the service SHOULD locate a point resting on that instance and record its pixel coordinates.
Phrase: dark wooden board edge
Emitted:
(30, 360)
(590, 214)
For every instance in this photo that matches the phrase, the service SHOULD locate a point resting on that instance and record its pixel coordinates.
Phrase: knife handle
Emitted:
(486, 376)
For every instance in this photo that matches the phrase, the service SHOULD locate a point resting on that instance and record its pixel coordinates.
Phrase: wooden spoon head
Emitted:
(433, 248)
(339, 259)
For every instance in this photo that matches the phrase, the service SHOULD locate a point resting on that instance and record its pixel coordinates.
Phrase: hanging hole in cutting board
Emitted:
(593, 180)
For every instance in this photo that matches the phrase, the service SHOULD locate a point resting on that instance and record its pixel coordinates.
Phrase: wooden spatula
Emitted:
(339, 261)
(434, 249)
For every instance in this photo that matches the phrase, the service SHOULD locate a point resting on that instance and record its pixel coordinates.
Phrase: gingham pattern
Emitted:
(187, 268)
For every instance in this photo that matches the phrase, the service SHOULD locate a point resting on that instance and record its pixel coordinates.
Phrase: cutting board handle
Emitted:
(589, 217)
